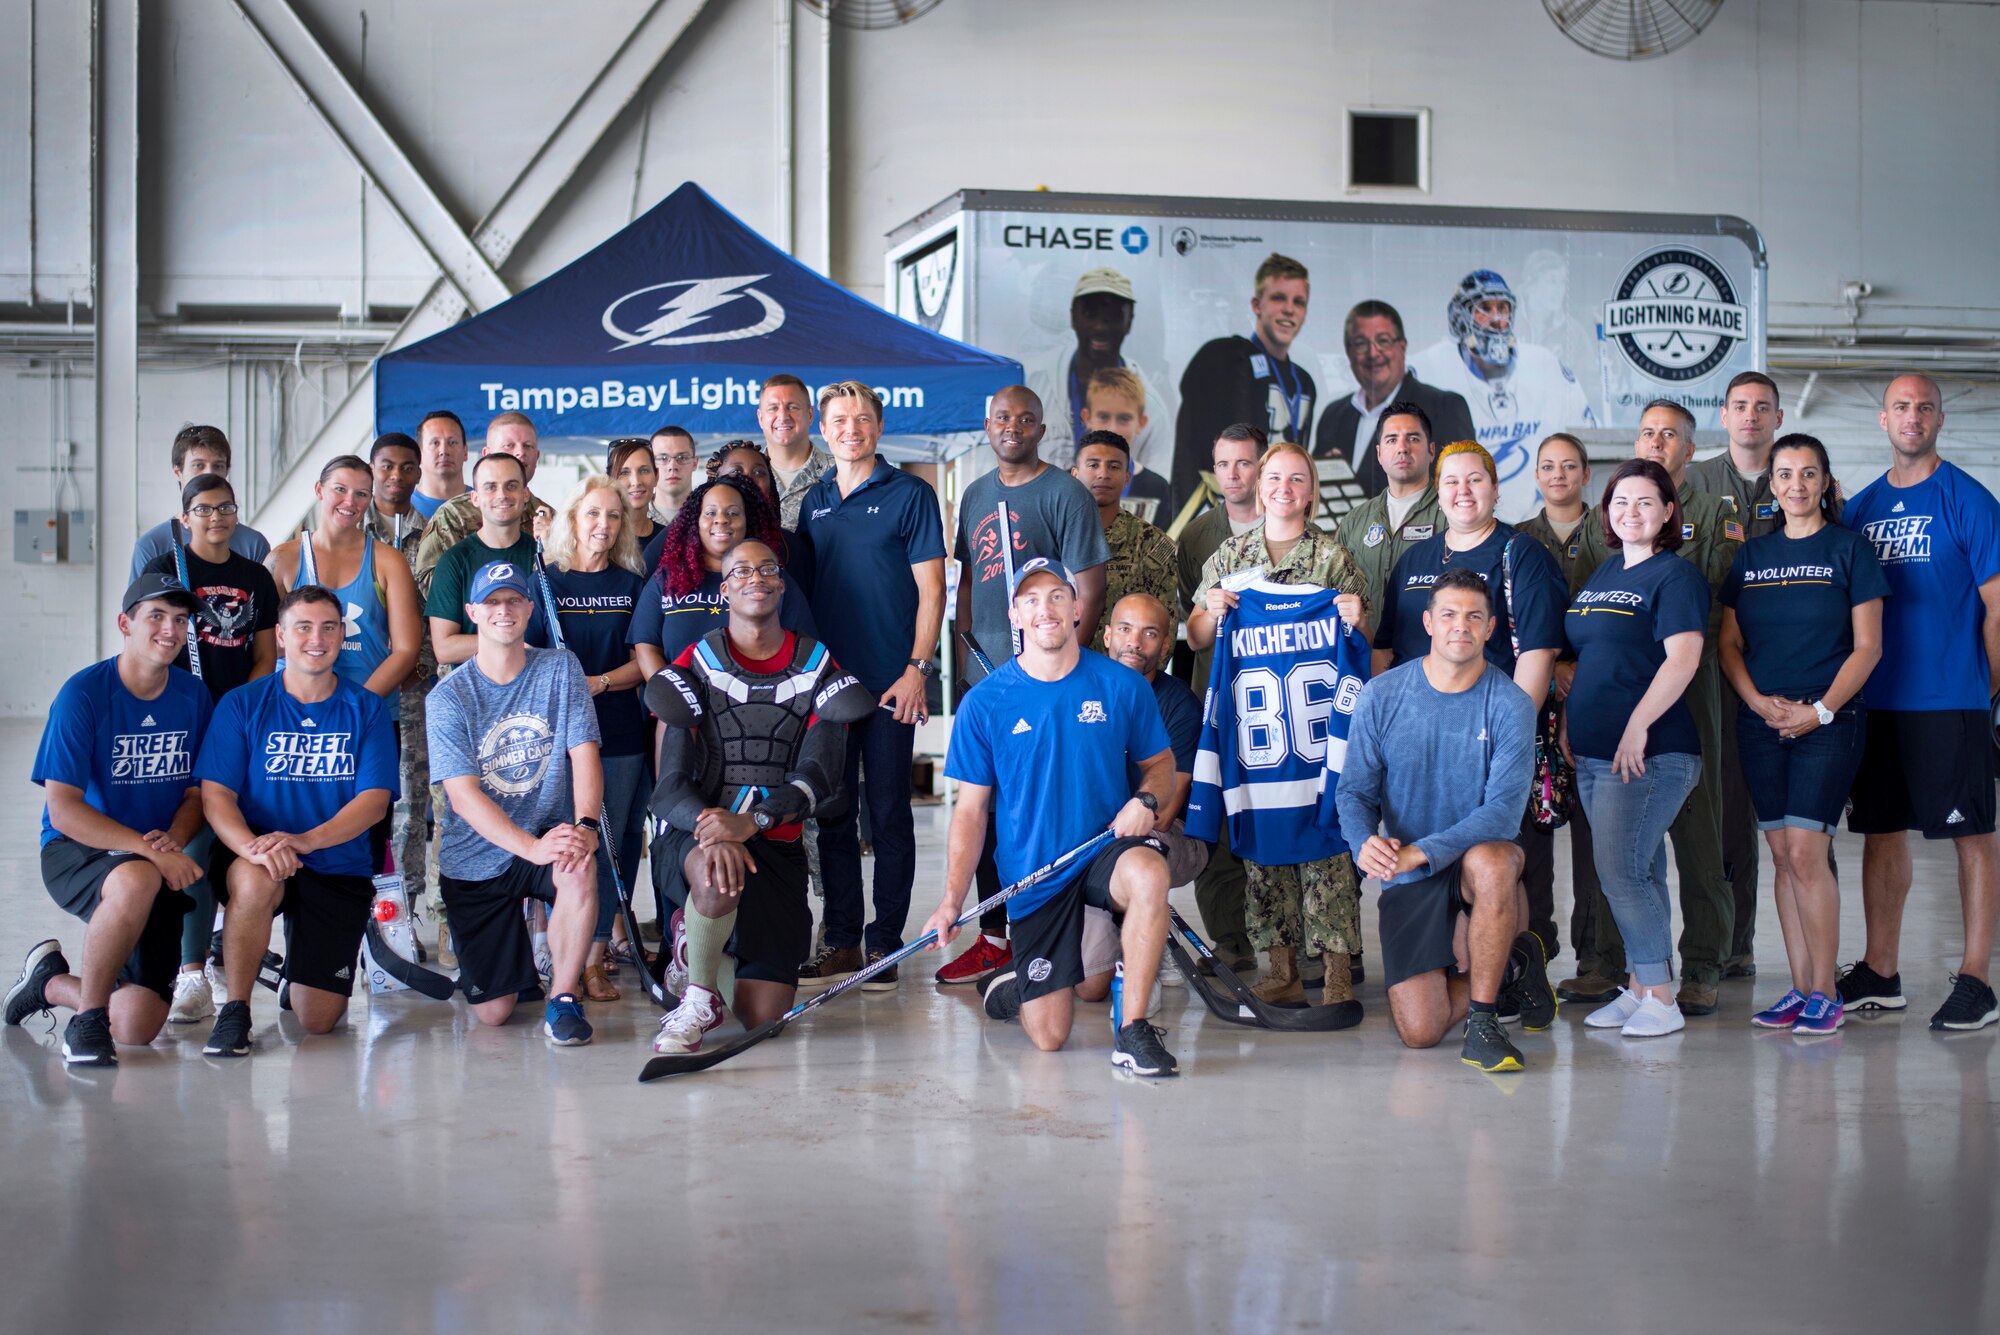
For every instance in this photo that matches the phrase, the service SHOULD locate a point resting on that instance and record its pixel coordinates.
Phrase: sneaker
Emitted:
(1530, 987)
(1654, 1019)
(1614, 1013)
(1862, 989)
(545, 962)
(683, 1027)
(1140, 1051)
(192, 998)
(1002, 995)
(1695, 998)
(884, 981)
(1971, 1005)
(563, 1022)
(1820, 1015)
(218, 982)
(832, 965)
(986, 956)
(1783, 1015)
(29, 994)
(1486, 1044)
(676, 977)
(1170, 973)
(87, 1039)
(231, 1035)
(1587, 987)
(1507, 1009)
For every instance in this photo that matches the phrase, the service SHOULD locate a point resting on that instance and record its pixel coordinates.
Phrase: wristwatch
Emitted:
(762, 819)
(1148, 801)
(925, 666)
(590, 823)
(1825, 714)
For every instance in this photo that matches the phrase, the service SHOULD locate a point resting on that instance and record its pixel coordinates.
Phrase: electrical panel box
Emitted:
(80, 542)
(47, 537)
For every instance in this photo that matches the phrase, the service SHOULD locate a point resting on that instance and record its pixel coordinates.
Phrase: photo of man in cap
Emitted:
(1100, 314)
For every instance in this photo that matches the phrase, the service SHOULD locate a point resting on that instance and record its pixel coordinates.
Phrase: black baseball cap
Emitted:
(164, 588)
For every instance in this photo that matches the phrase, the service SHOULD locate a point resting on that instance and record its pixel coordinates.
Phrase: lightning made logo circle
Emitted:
(1676, 317)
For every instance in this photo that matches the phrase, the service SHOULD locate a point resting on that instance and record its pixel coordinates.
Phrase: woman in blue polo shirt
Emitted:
(1801, 633)
(593, 568)
(1637, 627)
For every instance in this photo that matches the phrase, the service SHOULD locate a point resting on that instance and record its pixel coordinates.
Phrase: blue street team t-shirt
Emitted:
(294, 765)
(1540, 595)
(133, 758)
(1795, 601)
(1618, 626)
(1055, 753)
(1938, 542)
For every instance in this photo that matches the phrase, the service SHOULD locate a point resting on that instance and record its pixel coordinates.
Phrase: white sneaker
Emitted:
(1614, 1013)
(1654, 1019)
(218, 982)
(193, 999)
(1169, 973)
(683, 1027)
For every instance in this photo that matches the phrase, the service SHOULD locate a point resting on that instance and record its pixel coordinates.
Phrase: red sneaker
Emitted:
(985, 956)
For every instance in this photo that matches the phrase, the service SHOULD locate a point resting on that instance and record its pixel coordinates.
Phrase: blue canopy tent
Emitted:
(678, 318)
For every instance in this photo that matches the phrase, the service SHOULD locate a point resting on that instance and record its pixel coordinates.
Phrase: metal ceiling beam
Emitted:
(114, 281)
(519, 208)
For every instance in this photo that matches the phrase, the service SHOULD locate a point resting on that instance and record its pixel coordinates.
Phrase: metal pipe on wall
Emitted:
(826, 145)
(781, 115)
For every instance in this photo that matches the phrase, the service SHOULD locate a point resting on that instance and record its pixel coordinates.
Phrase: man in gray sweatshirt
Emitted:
(1439, 756)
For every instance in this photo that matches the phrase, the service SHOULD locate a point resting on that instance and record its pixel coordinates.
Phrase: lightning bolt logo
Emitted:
(693, 301)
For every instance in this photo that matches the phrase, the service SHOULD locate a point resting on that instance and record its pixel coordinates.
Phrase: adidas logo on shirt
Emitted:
(1896, 509)
(1022, 727)
(1481, 737)
(307, 723)
(346, 971)
(1956, 817)
(147, 722)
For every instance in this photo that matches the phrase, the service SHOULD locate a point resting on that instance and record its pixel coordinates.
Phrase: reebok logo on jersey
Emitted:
(1021, 727)
(144, 757)
(1092, 712)
(1956, 817)
(309, 755)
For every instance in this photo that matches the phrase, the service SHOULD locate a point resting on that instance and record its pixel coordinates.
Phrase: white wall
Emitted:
(1857, 134)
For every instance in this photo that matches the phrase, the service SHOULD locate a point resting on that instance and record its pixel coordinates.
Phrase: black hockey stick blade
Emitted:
(687, 1063)
(411, 975)
(1220, 1007)
(1305, 1019)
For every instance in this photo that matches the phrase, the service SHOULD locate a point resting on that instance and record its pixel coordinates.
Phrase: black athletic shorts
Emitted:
(325, 919)
(1048, 943)
(1931, 771)
(1419, 920)
(495, 957)
(74, 874)
(774, 924)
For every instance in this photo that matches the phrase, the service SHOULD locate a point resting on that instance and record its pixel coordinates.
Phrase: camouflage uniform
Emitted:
(1142, 561)
(1219, 890)
(793, 493)
(409, 838)
(1375, 546)
(1314, 905)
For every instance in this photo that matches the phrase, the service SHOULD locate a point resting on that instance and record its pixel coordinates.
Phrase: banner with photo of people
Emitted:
(1146, 316)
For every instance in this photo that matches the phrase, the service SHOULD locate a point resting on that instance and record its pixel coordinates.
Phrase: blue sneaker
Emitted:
(1783, 1015)
(563, 1021)
(1822, 1015)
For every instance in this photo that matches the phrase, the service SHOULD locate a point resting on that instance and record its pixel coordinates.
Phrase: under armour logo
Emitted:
(874, 509)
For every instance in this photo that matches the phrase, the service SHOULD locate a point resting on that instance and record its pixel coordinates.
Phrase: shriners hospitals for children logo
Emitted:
(514, 754)
(1676, 315)
(685, 311)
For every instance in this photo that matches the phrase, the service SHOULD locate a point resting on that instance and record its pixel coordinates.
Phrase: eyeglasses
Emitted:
(1381, 343)
(204, 511)
(766, 570)
(680, 460)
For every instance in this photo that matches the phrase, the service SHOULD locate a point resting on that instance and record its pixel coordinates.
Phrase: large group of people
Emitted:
(724, 660)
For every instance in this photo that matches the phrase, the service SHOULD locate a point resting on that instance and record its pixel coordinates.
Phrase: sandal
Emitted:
(597, 987)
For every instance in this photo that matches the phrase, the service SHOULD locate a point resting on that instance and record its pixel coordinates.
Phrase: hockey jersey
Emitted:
(1274, 729)
(1513, 414)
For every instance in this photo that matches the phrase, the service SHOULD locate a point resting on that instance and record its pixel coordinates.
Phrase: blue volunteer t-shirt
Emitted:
(1056, 753)
(1937, 542)
(133, 758)
(674, 624)
(594, 612)
(294, 765)
(863, 544)
(1540, 595)
(1618, 626)
(1795, 600)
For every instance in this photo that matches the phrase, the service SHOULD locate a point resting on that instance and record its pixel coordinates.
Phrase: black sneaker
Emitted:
(1508, 1008)
(1971, 1005)
(1530, 984)
(29, 996)
(1862, 989)
(1486, 1045)
(271, 970)
(231, 1035)
(1002, 994)
(87, 1040)
(1140, 1051)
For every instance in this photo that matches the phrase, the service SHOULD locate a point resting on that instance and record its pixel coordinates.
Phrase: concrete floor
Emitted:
(896, 1162)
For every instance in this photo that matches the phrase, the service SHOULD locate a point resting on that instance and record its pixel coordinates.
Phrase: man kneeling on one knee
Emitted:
(1439, 757)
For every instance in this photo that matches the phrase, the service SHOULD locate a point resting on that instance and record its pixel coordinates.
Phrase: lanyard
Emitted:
(1294, 397)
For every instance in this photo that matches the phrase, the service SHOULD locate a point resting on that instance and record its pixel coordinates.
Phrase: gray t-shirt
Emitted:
(1052, 515)
(517, 739)
(158, 541)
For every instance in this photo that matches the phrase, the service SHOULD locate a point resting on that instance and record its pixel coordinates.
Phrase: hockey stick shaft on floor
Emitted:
(686, 1063)
(607, 838)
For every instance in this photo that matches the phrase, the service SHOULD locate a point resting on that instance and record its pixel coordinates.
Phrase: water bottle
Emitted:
(1117, 998)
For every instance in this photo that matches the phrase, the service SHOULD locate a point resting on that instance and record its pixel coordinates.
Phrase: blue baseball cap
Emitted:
(1039, 566)
(497, 575)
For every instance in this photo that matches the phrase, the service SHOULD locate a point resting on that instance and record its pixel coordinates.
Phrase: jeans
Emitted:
(1802, 782)
(625, 805)
(883, 748)
(199, 925)
(1628, 825)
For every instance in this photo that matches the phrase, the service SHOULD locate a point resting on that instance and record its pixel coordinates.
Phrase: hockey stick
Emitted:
(1251, 1009)
(978, 656)
(181, 569)
(606, 837)
(407, 972)
(687, 1063)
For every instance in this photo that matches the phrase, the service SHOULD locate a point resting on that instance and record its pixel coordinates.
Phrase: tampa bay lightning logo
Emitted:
(692, 310)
